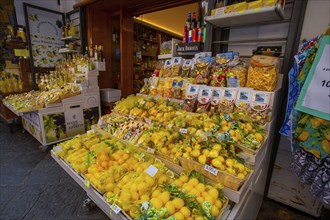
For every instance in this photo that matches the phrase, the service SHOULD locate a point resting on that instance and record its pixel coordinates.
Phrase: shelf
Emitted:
(148, 40)
(252, 16)
(165, 56)
(66, 50)
(70, 38)
(251, 41)
(149, 55)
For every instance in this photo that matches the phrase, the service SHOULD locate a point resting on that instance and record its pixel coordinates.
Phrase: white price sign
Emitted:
(318, 92)
(211, 170)
(151, 170)
(116, 209)
(314, 97)
(183, 130)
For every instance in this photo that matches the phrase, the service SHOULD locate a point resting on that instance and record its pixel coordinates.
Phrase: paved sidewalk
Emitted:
(33, 186)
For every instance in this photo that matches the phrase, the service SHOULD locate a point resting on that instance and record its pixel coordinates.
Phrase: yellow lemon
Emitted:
(170, 207)
(150, 180)
(218, 204)
(209, 199)
(200, 187)
(241, 176)
(214, 193)
(193, 181)
(200, 199)
(188, 187)
(178, 203)
(144, 198)
(178, 216)
(185, 211)
(206, 152)
(165, 197)
(215, 211)
(156, 202)
(143, 187)
(184, 178)
(155, 193)
(178, 182)
(109, 187)
(195, 192)
(162, 178)
(202, 159)
(229, 162)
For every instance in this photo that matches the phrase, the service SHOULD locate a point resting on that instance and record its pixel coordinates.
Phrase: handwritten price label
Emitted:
(211, 170)
(183, 131)
(116, 209)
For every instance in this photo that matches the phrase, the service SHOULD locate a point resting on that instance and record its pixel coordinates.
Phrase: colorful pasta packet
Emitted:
(215, 100)
(227, 100)
(260, 106)
(191, 97)
(167, 70)
(204, 99)
(176, 66)
(186, 67)
(242, 104)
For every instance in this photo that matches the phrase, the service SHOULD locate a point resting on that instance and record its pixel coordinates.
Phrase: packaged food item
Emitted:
(236, 76)
(260, 108)
(263, 70)
(167, 93)
(202, 70)
(242, 104)
(204, 99)
(146, 86)
(191, 97)
(153, 82)
(220, 69)
(176, 88)
(192, 73)
(186, 68)
(167, 68)
(185, 83)
(176, 66)
(227, 100)
(215, 100)
(160, 87)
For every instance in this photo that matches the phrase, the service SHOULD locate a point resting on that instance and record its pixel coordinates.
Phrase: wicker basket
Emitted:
(222, 177)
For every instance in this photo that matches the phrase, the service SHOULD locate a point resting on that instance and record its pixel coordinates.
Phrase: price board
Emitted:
(314, 98)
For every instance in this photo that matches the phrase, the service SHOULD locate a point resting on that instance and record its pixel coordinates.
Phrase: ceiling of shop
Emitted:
(172, 19)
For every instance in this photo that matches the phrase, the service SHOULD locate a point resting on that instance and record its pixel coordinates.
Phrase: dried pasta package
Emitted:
(215, 100)
(153, 81)
(147, 86)
(202, 70)
(260, 106)
(192, 73)
(204, 99)
(242, 104)
(263, 72)
(237, 73)
(168, 88)
(186, 68)
(220, 69)
(185, 83)
(191, 97)
(176, 66)
(160, 87)
(176, 88)
(167, 70)
(227, 100)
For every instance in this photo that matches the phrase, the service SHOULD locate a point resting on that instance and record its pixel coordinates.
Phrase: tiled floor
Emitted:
(33, 186)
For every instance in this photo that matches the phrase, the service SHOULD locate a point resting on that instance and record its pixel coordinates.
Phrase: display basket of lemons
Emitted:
(232, 175)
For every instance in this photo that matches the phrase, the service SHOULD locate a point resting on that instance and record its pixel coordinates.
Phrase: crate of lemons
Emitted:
(123, 175)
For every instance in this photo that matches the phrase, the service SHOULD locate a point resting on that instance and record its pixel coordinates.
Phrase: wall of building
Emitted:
(63, 6)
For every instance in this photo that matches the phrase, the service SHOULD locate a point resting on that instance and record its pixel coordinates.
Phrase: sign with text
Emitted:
(314, 97)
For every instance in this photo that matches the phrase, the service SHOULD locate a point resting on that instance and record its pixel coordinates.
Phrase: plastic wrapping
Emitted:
(263, 72)
(176, 88)
(204, 99)
(176, 66)
(202, 70)
(227, 100)
(167, 70)
(242, 104)
(260, 108)
(186, 68)
(237, 74)
(220, 69)
(191, 97)
(215, 100)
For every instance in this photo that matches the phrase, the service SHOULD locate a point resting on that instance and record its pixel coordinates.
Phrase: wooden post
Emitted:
(126, 53)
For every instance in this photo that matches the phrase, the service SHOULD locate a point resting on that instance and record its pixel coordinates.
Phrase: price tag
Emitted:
(145, 205)
(87, 183)
(314, 97)
(211, 170)
(131, 117)
(116, 209)
(150, 150)
(183, 130)
(151, 170)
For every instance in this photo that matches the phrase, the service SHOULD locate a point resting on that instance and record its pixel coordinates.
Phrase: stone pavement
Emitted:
(33, 186)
